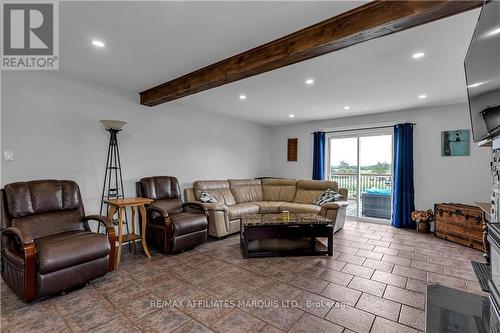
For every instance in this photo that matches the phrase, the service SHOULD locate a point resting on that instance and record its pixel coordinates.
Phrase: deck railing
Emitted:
(371, 180)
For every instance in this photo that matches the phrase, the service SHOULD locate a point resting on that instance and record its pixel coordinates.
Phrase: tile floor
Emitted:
(375, 282)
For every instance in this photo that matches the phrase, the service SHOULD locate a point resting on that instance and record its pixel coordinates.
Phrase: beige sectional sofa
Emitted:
(237, 197)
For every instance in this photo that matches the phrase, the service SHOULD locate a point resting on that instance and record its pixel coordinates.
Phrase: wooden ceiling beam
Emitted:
(372, 20)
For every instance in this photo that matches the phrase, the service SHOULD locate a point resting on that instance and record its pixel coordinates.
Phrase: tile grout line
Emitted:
(60, 314)
(120, 311)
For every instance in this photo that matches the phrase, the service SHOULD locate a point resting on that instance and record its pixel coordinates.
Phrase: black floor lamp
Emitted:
(113, 181)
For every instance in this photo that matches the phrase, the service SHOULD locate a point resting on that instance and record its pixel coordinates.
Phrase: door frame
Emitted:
(357, 134)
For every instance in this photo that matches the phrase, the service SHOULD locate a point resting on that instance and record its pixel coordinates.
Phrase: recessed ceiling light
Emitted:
(243, 97)
(291, 115)
(347, 107)
(493, 32)
(418, 55)
(98, 43)
(477, 84)
(310, 82)
(422, 96)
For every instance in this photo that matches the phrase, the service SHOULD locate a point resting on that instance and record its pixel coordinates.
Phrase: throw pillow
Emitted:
(328, 196)
(207, 197)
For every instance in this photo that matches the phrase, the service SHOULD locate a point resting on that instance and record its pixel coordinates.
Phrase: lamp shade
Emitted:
(113, 124)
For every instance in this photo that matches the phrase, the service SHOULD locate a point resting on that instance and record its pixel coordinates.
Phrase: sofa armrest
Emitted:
(110, 231)
(344, 192)
(189, 195)
(217, 216)
(211, 206)
(330, 210)
(330, 205)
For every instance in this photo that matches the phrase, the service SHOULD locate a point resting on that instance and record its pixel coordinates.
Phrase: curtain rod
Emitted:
(359, 129)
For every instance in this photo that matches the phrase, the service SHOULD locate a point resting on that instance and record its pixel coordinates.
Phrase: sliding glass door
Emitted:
(362, 163)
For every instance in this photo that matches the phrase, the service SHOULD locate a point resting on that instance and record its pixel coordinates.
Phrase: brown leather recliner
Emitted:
(47, 245)
(170, 227)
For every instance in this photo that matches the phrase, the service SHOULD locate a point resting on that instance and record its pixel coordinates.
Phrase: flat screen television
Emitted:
(482, 72)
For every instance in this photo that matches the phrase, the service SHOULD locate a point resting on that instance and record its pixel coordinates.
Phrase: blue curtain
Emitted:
(319, 156)
(403, 196)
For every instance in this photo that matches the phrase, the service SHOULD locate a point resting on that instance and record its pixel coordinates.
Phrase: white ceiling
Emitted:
(148, 43)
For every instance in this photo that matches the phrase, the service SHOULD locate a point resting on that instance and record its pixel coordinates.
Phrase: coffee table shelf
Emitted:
(264, 235)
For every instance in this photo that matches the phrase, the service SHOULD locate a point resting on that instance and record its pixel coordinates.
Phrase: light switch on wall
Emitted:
(8, 155)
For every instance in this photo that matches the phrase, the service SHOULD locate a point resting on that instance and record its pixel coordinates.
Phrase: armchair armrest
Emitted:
(110, 230)
(163, 213)
(196, 206)
(101, 219)
(153, 209)
(29, 249)
(217, 216)
(25, 239)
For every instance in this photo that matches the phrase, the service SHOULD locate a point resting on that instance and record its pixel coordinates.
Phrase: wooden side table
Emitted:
(122, 205)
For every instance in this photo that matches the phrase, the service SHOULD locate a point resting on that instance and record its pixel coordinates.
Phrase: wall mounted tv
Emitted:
(482, 71)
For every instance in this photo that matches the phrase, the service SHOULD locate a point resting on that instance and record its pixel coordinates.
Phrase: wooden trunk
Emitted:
(460, 223)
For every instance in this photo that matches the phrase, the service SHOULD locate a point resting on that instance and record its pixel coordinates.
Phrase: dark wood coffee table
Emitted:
(265, 235)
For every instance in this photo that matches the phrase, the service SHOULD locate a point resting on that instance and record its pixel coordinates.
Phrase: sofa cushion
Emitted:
(309, 190)
(46, 224)
(246, 190)
(217, 188)
(278, 189)
(236, 211)
(293, 207)
(70, 248)
(186, 223)
(269, 207)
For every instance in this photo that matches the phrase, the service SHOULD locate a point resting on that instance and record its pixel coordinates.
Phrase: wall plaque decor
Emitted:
(455, 143)
(292, 149)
